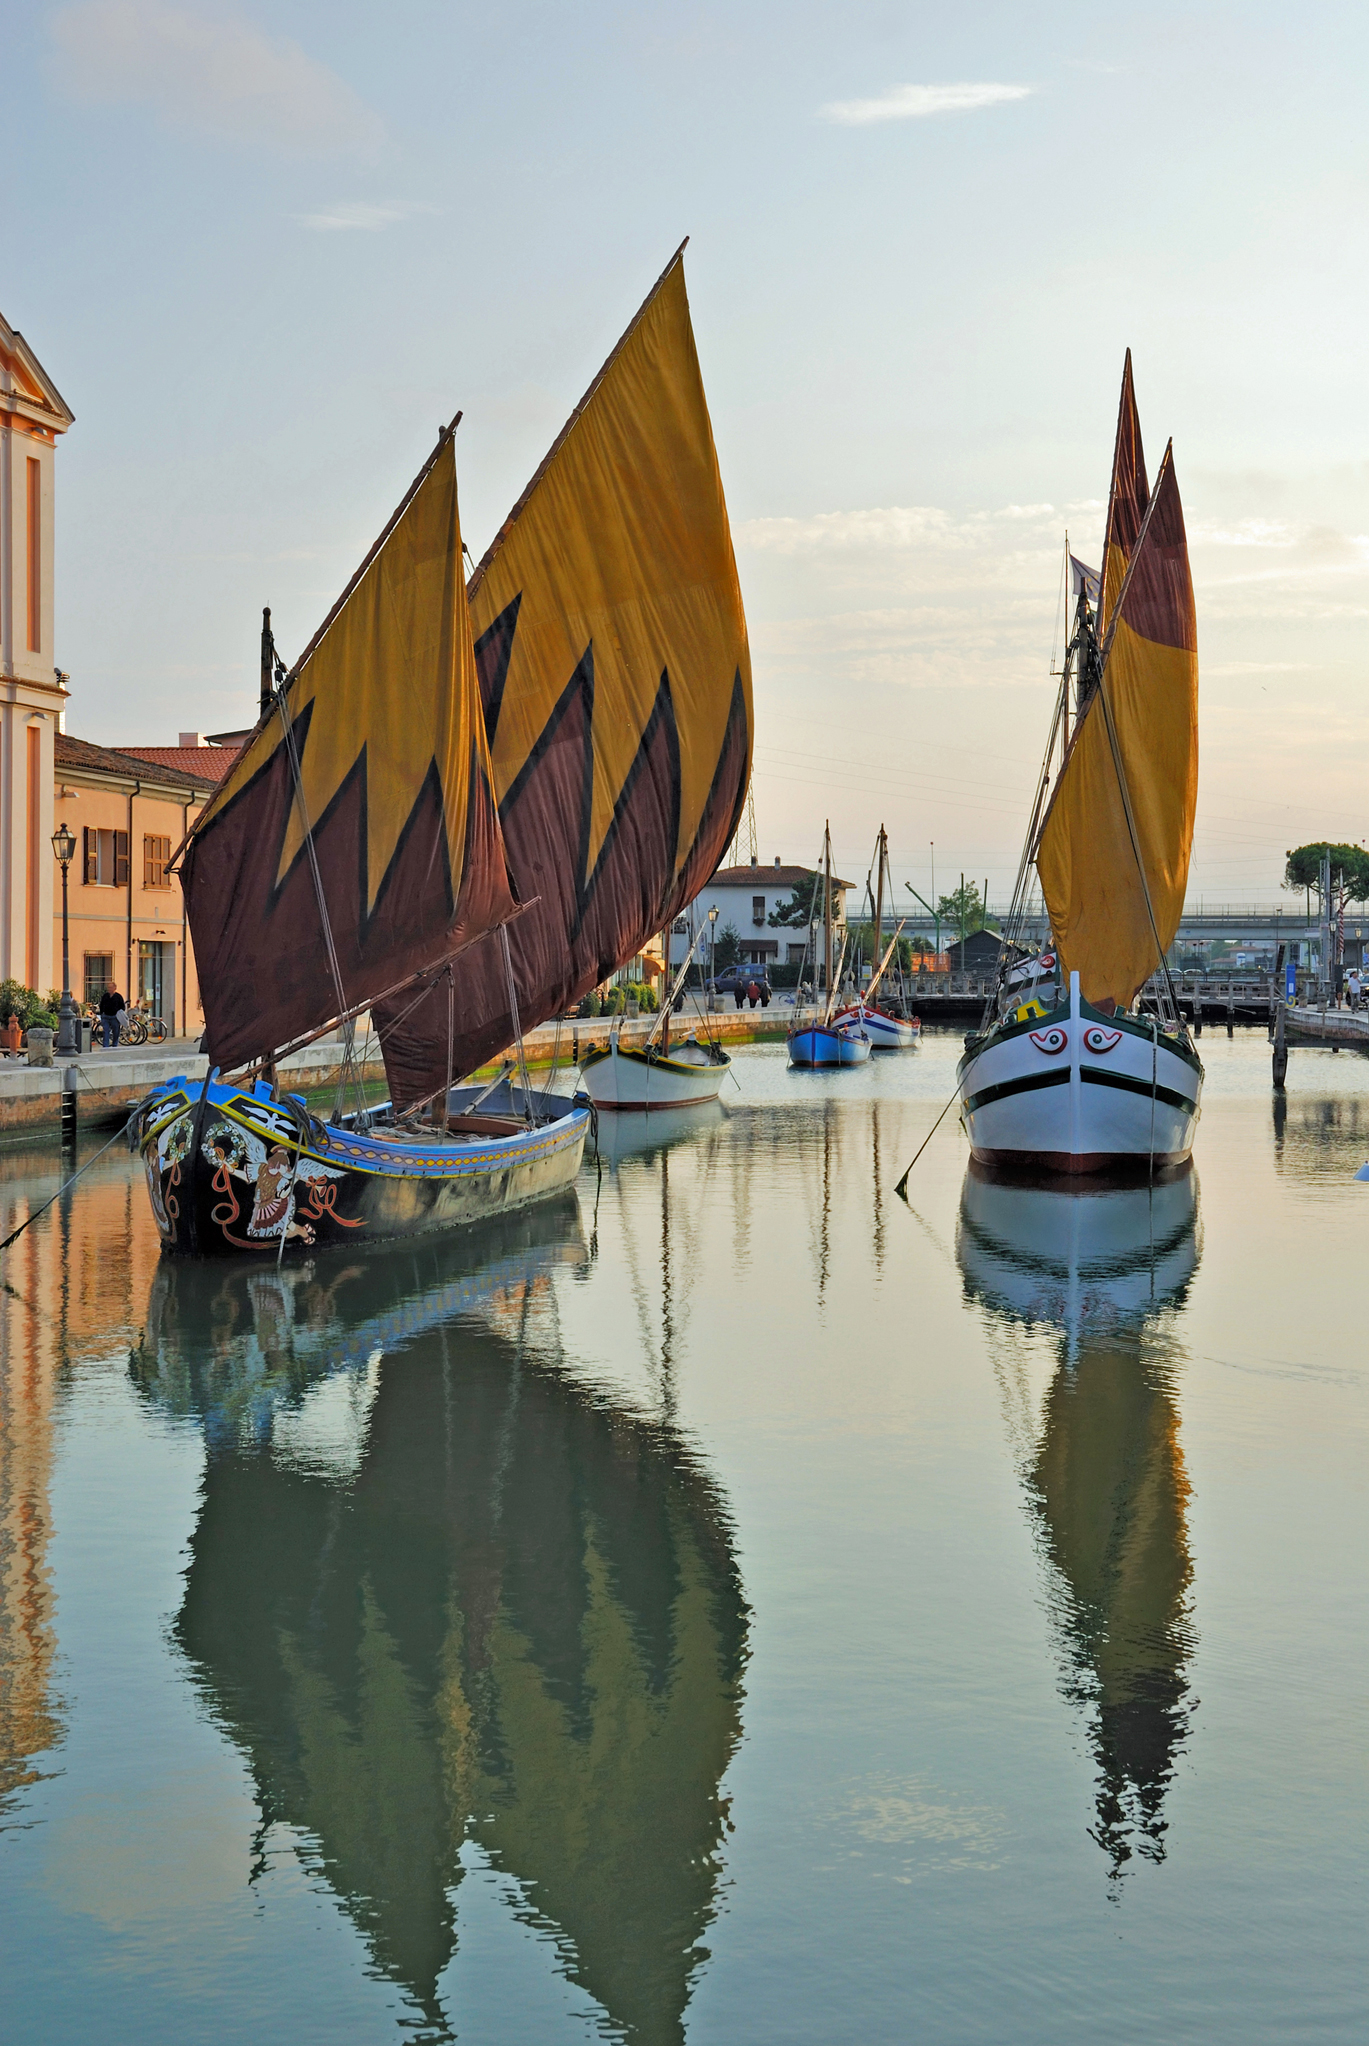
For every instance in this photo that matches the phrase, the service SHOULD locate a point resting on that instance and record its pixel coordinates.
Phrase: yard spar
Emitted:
(352, 852)
(616, 682)
(1090, 1083)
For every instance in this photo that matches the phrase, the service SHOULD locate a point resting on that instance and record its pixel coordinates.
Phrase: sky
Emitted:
(264, 250)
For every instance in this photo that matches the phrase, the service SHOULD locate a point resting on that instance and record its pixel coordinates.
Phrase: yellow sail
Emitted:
(620, 553)
(1120, 826)
(394, 786)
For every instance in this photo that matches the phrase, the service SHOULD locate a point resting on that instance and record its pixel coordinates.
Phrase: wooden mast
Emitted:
(827, 916)
(665, 991)
(877, 949)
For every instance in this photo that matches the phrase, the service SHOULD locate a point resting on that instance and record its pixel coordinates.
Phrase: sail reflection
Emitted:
(1101, 1462)
(442, 1591)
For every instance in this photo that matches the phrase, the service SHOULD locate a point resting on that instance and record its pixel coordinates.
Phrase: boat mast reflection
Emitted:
(509, 1613)
(1101, 1462)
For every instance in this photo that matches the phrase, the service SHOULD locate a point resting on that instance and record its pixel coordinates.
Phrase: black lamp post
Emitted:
(64, 845)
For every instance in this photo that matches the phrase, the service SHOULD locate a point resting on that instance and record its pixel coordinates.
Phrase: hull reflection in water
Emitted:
(1101, 1462)
(502, 1609)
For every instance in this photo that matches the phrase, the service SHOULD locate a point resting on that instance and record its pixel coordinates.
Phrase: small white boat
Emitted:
(618, 1075)
(885, 1032)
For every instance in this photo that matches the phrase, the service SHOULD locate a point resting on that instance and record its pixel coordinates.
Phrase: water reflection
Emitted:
(1320, 1138)
(54, 1310)
(1100, 1459)
(441, 1590)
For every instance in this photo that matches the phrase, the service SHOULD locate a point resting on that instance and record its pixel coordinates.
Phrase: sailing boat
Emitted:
(827, 1043)
(651, 1075)
(460, 834)
(1065, 1074)
(885, 1030)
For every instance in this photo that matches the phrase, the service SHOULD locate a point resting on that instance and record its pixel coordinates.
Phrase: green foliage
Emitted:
(615, 1001)
(1304, 869)
(591, 1005)
(950, 907)
(727, 949)
(25, 1003)
(803, 905)
(648, 1001)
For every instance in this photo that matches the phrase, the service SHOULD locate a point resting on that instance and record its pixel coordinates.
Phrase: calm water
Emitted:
(725, 1603)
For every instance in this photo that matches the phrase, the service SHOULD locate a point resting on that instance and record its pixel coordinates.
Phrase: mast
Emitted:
(665, 991)
(877, 951)
(827, 914)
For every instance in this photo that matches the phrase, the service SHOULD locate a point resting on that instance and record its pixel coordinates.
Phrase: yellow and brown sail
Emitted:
(1114, 850)
(390, 776)
(1127, 500)
(616, 679)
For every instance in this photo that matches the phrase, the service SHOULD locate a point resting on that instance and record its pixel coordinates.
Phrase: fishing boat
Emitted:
(823, 1041)
(461, 835)
(888, 1029)
(652, 1075)
(1067, 1073)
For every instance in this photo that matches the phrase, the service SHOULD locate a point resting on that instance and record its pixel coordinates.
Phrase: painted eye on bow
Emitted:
(1050, 1041)
(1098, 1040)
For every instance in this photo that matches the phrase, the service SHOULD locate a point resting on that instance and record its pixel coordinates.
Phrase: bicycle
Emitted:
(138, 1027)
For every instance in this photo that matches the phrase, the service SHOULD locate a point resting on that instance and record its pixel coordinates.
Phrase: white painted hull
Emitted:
(626, 1077)
(1079, 1092)
(886, 1033)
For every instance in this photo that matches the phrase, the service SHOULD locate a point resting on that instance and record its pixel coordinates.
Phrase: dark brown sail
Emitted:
(391, 776)
(616, 680)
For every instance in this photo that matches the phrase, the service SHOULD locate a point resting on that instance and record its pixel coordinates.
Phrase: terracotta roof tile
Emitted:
(209, 763)
(71, 752)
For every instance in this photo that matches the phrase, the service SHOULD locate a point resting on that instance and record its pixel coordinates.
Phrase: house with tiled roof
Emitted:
(747, 897)
(128, 927)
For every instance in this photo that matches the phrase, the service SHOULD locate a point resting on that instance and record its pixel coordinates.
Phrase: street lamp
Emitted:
(64, 845)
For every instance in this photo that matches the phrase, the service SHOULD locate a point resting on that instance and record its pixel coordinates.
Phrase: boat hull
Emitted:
(822, 1044)
(231, 1171)
(886, 1033)
(630, 1077)
(1075, 1092)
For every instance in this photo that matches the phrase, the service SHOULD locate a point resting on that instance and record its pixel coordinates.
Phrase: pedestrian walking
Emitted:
(1353, 986)
(739, 994)
(753, 994)
(112, 1007)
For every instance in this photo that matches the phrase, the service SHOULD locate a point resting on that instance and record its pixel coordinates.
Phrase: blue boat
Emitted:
(822, 1044)
(825, 1043)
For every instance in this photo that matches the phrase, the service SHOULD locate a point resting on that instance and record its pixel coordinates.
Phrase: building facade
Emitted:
(33, 417)
(746, 898)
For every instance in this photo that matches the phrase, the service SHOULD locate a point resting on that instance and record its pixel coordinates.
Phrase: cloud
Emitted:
(916, 102)
(360, 214)
(209, 69)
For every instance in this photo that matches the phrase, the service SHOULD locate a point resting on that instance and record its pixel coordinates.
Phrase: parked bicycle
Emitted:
(139, 1027)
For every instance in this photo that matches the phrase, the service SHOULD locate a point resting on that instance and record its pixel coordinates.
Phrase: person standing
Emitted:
(1353, 986)
(111, 1017)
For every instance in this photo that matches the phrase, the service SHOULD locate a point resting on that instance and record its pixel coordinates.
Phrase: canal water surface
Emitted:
(725, 1603)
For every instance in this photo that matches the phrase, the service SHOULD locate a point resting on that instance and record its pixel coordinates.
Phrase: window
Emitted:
(105, 856)
(35, 547)
(156, 853)
(758, 909)
(99, 975)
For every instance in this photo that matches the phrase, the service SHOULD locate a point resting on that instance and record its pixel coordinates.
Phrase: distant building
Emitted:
(746, 897)
(979, 953)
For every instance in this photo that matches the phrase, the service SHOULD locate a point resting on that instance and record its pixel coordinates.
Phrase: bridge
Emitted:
(1236, 923)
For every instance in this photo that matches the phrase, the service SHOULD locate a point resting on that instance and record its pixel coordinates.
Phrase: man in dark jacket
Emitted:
(112, 1007)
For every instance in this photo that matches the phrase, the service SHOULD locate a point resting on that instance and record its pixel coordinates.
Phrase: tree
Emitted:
(803, 906)
(950, 907)
(727, 949)
(1304, 869)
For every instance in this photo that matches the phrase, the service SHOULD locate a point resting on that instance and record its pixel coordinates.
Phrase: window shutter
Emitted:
(121, 859)
(90, 851)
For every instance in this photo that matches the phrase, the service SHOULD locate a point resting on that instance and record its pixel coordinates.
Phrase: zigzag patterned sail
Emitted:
(395, 781)
(616, 679)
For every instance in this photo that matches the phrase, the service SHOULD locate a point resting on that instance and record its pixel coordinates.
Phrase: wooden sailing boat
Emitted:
(652, 1075)
(410, 790)
(1066, 1074)
(825, 1042)
(886, 1029)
